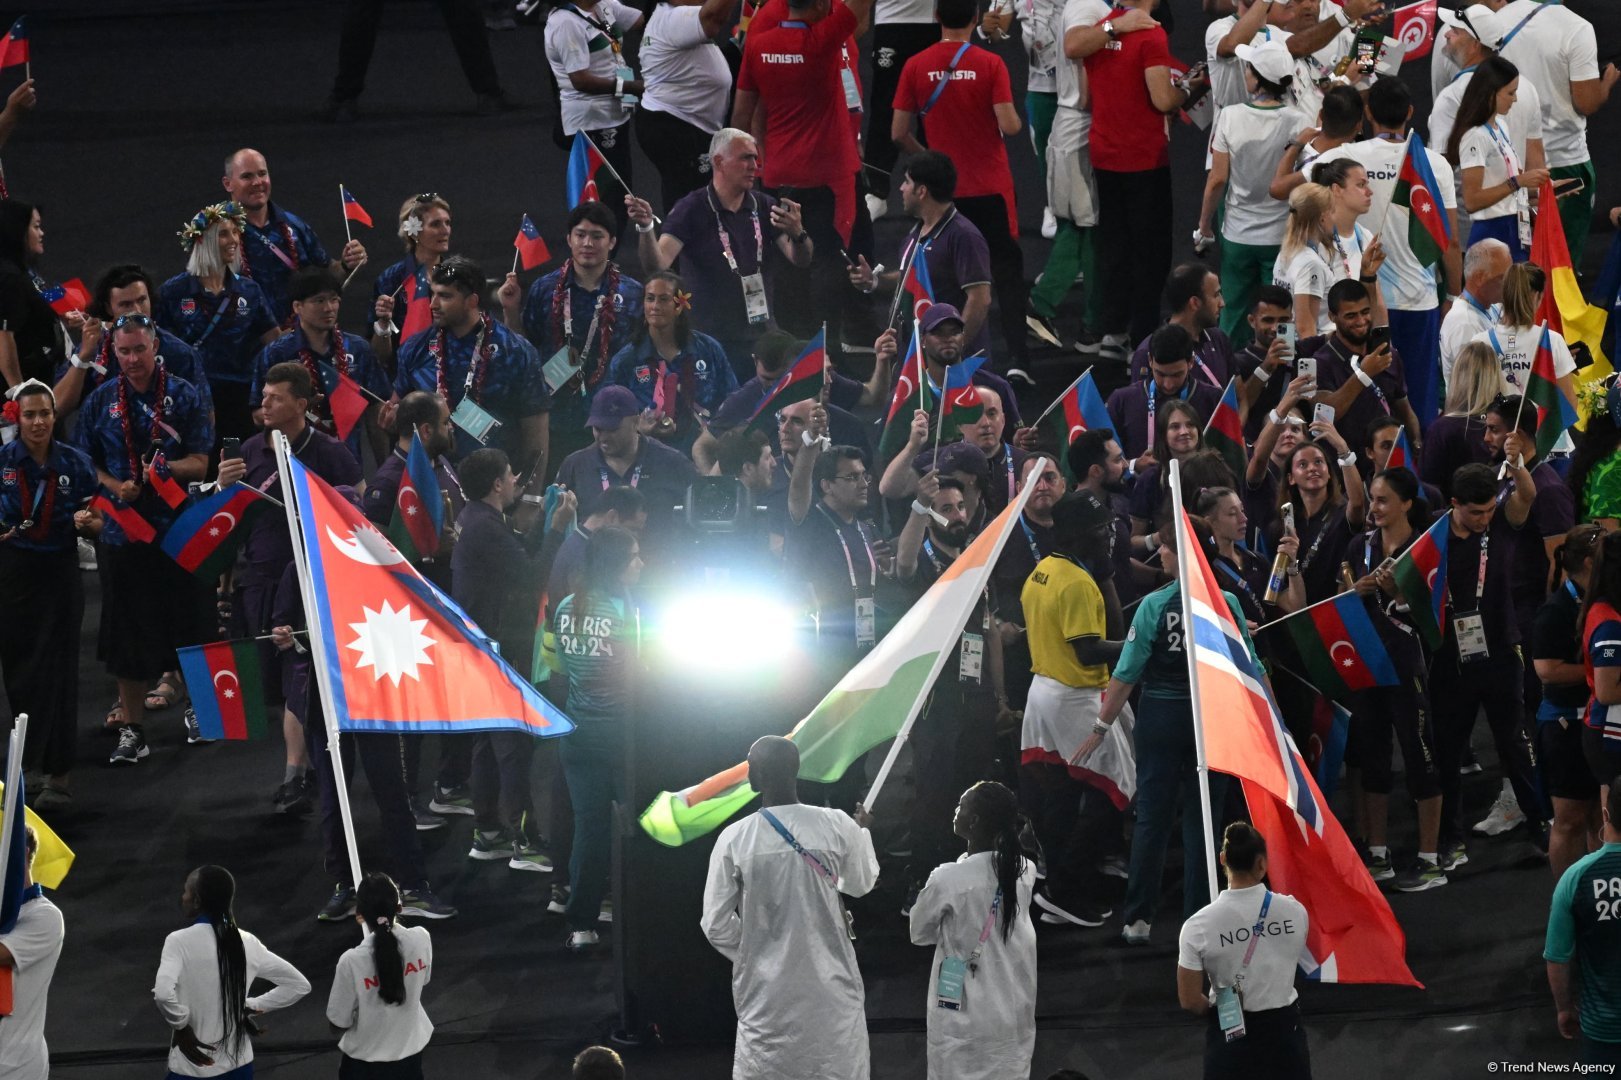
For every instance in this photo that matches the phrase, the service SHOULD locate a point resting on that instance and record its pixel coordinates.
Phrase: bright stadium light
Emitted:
(734, 630)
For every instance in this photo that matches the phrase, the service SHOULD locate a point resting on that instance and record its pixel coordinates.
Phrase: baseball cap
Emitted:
(1486, 25)
(954, 458)
(611, 405)
(1081, 511)
(937, 314)
(1270, 58)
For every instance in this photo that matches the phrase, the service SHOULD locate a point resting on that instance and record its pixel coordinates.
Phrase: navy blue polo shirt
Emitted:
(224, 328)
(68, 470)
(636, 367)
(269, 260)
(100, 434)
(571, 407)
(513, 387)
(363, 368)
(717, 290)
(662, 476)
(178, 358)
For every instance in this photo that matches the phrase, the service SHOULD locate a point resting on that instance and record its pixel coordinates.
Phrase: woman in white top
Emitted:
(1247, 940)
(1300, 266)
(1496, 188)
(1350, 243)
(687, 91)
(1247, 142)
(376, 998)
(597, 88)
(203, 981)
(1517, 335)
(976, 913)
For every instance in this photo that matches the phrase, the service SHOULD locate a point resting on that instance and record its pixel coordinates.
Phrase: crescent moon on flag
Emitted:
(905, 381)
(226, 672)
(365, 546)
(1333, 651)
(228, 516)
(919, 307)
(1076, 429)
(1429, 580)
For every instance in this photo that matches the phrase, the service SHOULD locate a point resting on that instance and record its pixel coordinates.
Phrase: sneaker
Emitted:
(1505, 815)
(585, 939)
(131, 746)
(1020, 379)
(1379, 867)
(340, 907)
(1076, 914)
(877, 207)
(911, 898)
(1471, 763)
(1116, 867)
(558, 903)
(454, 800)
(1087, 342)
(194, 730)
(297, 796)
(426, 822)
(1043, 329)
(526, 856)
(1420, 877)
(422, 904)
(1049, 223)
(87, 554)
(605, 913)
(490, 846)
(1454, 856)
(1136, 933)
(1114, 346)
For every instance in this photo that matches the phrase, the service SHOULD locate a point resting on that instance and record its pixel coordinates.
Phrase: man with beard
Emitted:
(1265, 364)
(954, 739)
(1361, 384)
(1005, 458)
(1193, 295)
(941, 333)
(1099, 468)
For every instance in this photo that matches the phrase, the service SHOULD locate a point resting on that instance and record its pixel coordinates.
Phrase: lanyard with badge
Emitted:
(754, 300)
(1153, 406)
(1229, 999)
(971, 652)
(1511, 165)
(568, 361)
(1470, 626)
(866, 609)
(945, 78)
(612, 32)
(1350, 362)
(225, 305)
(955, 971)
(46, 495)
(816, 865)
(607, 477)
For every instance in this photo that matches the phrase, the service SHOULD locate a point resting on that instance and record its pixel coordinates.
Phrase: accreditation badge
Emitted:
(474, 420)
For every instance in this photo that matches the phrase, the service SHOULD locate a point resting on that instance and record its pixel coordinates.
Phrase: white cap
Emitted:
(1477, 20)
(1270, 59)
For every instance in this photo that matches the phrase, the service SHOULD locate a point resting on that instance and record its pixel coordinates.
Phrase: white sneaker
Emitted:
(581, 939)
(87, 554)
(1506, 814)
(1136, 933)
(1049, 223)
(876, 207)
(605, 913)
(1115, 346)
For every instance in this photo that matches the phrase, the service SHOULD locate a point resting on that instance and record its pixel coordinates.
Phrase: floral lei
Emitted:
(606, 314)
(339, 360)
(156, 434)
(287, 237)
(480, 369)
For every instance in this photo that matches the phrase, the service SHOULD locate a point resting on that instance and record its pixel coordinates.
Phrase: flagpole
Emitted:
(613, 171)
(944, 655)
(1184, 561)
(1302, 611)
(900, 285)
(344, 208)
(1407, 145)
(1059, 399)
(14, 791)
(1212, 420)
(318, 646)
(1519, 412)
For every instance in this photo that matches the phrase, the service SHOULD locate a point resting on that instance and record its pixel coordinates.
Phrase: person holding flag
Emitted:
(29, 949)
(598, 89)
(43, 483)
(1386, 446)
(406, 286)
(1517, 335)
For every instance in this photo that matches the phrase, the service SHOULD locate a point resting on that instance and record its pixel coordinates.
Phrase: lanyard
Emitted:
(635, 477)
(1484, 311)
(1501, 45)
(1238, 579)
(1511, 160)
(1255, 935)
(726, 241)
(1322, 530)
(849, 562)
(1007, 459)
(1570, 587)
(289, 261)
(985, 931)
(1153, 391)
(1339, 249)
(1030, 537)
(32, 521)
(609, 30)
(810, 860)
(591, 328)
(1502, 354)
(945, 78)
(1480, 576)
(219, 313)
(1198, 358)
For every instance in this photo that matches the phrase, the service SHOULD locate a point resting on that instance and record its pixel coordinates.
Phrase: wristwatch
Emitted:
(1108, 28)
(800, 239)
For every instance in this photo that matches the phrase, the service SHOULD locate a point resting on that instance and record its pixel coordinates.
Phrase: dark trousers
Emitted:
(807, 297)
(404, 1069)
(678, 150)
(989, 213)
(455, 760)
(1273, 1046)
(953, 745)
(43, 602)
(1134, 248)
(892, 45)
(1074, 822)
(464, 20)
(560, 808)
(1382, 715)
(501, 781)
(380, 756)
(1168, 781)
(594, 761)
(1457, 695)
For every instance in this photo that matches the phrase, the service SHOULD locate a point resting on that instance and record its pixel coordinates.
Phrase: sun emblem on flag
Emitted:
(391, 643)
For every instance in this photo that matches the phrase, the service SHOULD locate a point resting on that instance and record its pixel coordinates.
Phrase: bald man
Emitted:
(772, 907)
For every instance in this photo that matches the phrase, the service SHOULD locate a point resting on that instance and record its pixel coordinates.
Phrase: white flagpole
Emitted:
(343, 207)
(1184, 562)
(14, 789)
(318, 651)
(944, 655)
(1048, 410)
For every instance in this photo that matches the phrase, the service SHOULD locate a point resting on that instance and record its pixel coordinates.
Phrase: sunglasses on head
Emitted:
(134, 318)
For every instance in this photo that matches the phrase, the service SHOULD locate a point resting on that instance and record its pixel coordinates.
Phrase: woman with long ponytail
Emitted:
(204, 976)
(976, 914)
(376, 997)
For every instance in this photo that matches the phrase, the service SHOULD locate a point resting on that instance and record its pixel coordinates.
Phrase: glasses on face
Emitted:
(134, 318)
(858, 477)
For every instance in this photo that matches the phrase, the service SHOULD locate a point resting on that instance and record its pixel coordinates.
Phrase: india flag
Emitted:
(876, 701)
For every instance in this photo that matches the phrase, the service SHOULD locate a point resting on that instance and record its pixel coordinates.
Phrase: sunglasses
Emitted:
(134, 318)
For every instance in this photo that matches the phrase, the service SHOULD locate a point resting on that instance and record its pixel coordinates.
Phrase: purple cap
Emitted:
(611, 405)
(937, 314)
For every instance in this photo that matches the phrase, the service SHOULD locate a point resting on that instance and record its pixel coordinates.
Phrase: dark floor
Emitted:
(137, 111)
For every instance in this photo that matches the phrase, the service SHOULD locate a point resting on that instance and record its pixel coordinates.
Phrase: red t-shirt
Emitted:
(1128, 133)
(772, 12)
(795, 70)
(962, 123)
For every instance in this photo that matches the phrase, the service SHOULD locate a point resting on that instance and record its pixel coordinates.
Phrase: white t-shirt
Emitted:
(378, 1031)
(886, 12)
(1464, 323)
(1523, 121)
(1405, 285)
(684, 72)
(1227, 72)
(1307, 273)
(1491, 150)
(1253, 137)
(1216, 937)
(1069, 72)
(577, 41)
(36, 944)
(187, 992)
(1041, 43)
(1553, 50)
(1312, 68)
(1516, 346)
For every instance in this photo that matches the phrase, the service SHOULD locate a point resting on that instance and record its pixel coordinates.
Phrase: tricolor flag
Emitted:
(204, 539)
(419, 508)
(1341, 648)
(1331, 731)
(344, 399)
(1079, 408)
(532, 250)
(1353, 937)
(1225, 431)
(1556, 410)
(1401, 453)
(960, 403)
(911, 393)
(1421, 578)
(876, 701)
(1429, 228)
(801, 382)
(163, 484)
(66, 297)
(14, 46)
(227, 691)
(393, 652)
(917, 282)
(1564, 309)
(136, 527)
(352, 208)
(584, 159)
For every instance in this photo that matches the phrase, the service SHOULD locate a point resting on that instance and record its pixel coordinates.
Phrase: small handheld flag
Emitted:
(14, 46)
(68, 297)
(135, 526)
(917, 283)
(1079, 408)
(1429, 229)
(1556, 411)
(204, 539)
(912, 383)
(352, 210)
(584, 160)
(1421, 578)
(531, 247)
(1401, 454)
(960, 403)
(419, 508)
(227, 691)
(1340, 647)
(1225, 432)
(345, 398)
(164, 484)
(801, 382)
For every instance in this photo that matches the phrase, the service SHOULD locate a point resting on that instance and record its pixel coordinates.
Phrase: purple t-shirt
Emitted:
(957, 257)
(268, 547)
(1553, 513)
(1128, 408)
(1213, 360)
(1389, 387)
(717, 289)
(1449, 443)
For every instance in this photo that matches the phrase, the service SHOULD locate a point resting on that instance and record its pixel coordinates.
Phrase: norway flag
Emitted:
(583, 162)
(1352, 937)
(396, 654)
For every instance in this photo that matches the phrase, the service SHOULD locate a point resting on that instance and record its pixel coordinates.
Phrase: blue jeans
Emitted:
(1167, 780)
(1416, 337)
(594, 763)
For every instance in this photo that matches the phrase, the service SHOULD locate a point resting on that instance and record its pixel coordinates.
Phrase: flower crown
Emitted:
(206, 218)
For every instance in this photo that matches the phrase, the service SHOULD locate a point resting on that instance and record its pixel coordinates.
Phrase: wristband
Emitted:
(815, 440)
(1273, 418)
(1340, 17)
(619, 86)
(1348, 460)
(1514, 183)
(82, 365)
(644, 229)
(1367, 279)
(533, 500)
(919, 509)
(1100, 728)
(1361, 376)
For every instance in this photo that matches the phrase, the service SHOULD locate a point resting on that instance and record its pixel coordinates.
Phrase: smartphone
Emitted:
(1291, 337)
(1378, 337)
(1322, 413)
(1574, 185)
(230, 448)
(1304, 365)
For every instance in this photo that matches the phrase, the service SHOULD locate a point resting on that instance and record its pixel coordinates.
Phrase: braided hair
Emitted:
(1000, 812)
(214, 889)
(377, 901)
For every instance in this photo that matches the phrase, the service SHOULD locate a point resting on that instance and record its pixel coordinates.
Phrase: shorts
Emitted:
(1565, 772)
(1604, 763)
(149, 608)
